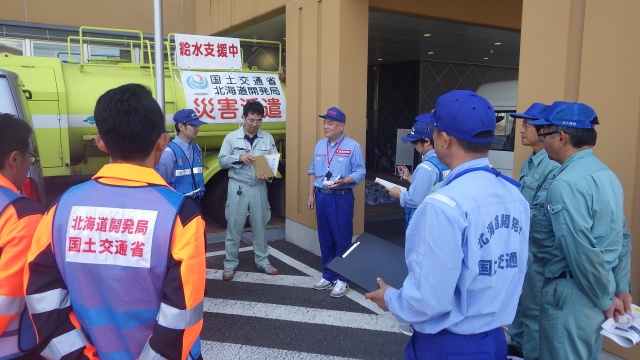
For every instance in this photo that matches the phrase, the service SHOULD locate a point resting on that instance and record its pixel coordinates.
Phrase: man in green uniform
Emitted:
(586, 264)
(535, 175)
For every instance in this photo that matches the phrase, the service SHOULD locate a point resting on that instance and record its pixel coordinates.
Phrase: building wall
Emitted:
(178, 15)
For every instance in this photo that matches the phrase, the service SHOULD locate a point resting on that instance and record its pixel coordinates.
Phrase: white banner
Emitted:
(207, 52)
(218, 97)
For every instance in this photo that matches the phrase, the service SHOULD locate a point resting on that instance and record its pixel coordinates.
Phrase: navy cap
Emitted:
(568, 114)
(420, 130)
(187, 116)
(463, 114)
(426, 118)
(535, 111)
(333, 113)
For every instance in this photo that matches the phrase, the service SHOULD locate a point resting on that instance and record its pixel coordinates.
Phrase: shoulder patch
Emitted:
(445, 199)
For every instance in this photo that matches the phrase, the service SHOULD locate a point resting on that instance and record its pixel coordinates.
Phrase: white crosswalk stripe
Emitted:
(376, 320)
(218, 350)
(301, 314)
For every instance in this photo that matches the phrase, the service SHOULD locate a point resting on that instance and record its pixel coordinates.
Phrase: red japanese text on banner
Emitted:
(218, 97)
(207, 52)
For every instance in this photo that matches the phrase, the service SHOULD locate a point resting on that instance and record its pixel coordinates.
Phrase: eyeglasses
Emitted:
(541, 136)
(34, 158)
(255, 121)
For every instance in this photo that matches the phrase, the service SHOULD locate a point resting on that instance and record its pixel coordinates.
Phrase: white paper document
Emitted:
(625, 332)
(389, 184)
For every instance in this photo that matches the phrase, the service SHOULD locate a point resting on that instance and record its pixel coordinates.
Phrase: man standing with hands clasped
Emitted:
(586, 264)
(246, 191)
(337, 166)
(467, 255)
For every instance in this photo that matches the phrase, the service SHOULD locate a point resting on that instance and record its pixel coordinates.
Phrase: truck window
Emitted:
(11, 47)
(7, 102)
(109, 54)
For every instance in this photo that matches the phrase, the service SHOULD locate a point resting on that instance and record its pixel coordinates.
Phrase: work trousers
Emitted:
(254, 201)
(488, 345)
(334, 214)
(524, 331)
(569, 322)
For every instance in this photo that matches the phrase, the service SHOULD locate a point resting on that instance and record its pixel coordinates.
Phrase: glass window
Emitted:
(505, 133)
(108, 54)
(56, 50)
(11, 47)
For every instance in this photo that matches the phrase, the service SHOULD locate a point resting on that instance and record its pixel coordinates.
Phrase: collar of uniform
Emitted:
(574, 157)
(480, 162)
(337, 141)
(4, 182)
(128, 174)
(429, 154)
(183, 144)
(241, 133)
(537, 158)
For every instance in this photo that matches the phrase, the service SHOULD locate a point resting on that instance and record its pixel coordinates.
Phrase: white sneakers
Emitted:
(322, 284)
(339, 289)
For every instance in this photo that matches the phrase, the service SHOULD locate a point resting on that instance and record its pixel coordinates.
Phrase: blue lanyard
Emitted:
(487, 169)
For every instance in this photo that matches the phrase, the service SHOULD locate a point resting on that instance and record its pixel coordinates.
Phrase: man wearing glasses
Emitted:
(586, 263)
(181, 162)
(19, 217)
(247, 191)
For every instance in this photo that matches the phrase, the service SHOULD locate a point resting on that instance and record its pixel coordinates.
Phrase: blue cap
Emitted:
(333, 113)
(187, 116)
(463, 114)
(420, 130)
(426, 118)
(568, 114)
(535, 111)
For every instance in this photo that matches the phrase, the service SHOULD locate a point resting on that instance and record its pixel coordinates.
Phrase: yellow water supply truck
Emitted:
(208, 74)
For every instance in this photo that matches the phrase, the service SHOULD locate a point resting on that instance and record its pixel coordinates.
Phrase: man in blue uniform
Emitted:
(466, 247)
(181, 162)
(247, 191)
(429, 172)
(337, 166)
(535, 175)
(585, 264)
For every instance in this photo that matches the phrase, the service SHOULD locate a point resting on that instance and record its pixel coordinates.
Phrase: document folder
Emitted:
(368, 258)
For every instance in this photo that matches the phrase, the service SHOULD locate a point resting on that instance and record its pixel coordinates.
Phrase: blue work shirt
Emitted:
(466, 255)
(535, 175)
(585, 202)
(166, 167)
(424, 177)
(345, 159)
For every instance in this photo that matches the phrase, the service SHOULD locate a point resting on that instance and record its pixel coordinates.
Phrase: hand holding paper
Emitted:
(266, 164)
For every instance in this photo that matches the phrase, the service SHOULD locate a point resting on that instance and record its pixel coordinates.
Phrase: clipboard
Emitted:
(266, 164)
(368, 258)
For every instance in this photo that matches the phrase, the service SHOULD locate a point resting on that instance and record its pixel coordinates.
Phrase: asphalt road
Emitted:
(259, 316)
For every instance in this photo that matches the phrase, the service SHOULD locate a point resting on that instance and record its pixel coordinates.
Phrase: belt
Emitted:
(334, 191)
(563, 275)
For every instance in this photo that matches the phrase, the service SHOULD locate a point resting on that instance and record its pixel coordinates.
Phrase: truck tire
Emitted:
(215, 199)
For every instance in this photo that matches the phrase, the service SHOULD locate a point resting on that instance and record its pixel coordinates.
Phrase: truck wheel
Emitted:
(215, 199)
